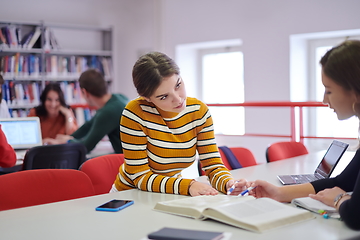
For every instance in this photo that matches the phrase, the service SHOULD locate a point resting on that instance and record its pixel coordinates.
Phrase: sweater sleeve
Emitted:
(94, 130)
(7, 153)
(209, 155)
(349, 181)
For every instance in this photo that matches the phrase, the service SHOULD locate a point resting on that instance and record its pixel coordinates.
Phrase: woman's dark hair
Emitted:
(150, 69)
(41, 110)
(342, 65)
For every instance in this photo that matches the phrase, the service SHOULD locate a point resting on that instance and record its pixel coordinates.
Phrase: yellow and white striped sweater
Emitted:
(158, 145)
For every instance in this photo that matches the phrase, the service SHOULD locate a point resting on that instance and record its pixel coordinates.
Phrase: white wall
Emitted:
(263, 26)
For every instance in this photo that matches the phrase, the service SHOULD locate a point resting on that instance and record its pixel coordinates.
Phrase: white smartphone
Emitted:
(114, 205)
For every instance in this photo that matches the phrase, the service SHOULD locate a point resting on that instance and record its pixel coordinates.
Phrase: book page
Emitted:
(257, 215)
(194, 206)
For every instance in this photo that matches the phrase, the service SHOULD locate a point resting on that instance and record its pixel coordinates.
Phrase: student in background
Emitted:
(109, 108)
(55, 116)
(162, 130)
(4, 110)
(341, 78)
(7, 153)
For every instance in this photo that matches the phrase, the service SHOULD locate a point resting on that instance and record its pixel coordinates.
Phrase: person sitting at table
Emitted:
(341, 78)
(161, 131)
(55, 116)
(7, 153)
(106, 120)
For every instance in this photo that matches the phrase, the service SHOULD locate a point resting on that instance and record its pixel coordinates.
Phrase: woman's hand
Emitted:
(66, 112)
(328, 195)
(199, 188)
(50, 141)
(265, 189)
(235, 187)
(61, 138)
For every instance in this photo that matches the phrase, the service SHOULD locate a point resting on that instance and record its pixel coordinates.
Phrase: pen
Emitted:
(231, 189)
(246, 191)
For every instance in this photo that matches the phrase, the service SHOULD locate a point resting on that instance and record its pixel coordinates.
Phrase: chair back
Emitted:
(244, 156)
(282, 150)
(102, 171)
(224, 159)
(34, 187)
(61, 156)
(231, 158)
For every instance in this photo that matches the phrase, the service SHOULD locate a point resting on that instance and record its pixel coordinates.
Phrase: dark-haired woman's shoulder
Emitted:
(32, 113)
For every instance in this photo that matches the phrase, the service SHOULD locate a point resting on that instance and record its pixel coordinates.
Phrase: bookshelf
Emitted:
(35, 53)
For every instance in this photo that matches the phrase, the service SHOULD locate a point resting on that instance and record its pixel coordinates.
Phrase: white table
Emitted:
(77, 219)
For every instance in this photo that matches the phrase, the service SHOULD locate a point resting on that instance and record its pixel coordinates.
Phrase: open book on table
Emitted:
(246, 212)
(314, 206)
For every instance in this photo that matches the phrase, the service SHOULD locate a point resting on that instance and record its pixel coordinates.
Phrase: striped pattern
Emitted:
(158, 145)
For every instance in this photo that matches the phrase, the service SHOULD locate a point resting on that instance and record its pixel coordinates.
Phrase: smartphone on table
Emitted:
(114, 205)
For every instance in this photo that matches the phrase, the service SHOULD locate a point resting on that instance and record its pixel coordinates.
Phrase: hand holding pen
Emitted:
(243, 193)
(235, 186)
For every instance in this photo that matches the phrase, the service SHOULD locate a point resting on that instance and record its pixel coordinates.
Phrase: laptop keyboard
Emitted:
(304, 178)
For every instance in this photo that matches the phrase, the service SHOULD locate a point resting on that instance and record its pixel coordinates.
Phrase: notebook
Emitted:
(22, 133)
(323, 170)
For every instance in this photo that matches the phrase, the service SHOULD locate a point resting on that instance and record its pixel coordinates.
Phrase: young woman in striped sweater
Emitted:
(162, 130)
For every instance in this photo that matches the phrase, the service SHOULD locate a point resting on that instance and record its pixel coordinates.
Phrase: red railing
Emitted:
(296, 131)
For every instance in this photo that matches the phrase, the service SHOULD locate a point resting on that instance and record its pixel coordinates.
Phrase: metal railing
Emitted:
(296, 130)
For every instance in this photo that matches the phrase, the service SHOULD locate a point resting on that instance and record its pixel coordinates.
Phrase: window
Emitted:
(223, 82)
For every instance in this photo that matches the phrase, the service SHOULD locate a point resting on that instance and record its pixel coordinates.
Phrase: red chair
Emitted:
(102, 171)
(225, 160)
(40, 186)
(282, 150)
(244, 156)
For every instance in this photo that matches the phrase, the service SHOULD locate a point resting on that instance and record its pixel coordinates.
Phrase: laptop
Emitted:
(22, 133)
(323, 170)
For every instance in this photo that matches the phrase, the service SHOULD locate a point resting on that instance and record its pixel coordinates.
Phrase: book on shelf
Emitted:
(6, 35)
(2, 38)
(47, 45)
(34, 39)
(17, 93)
(18, 32)
(246, 212)
(53, 41)
(20, 65)
(14, 113)
(13, 37)
(315, 206)
(26, 39)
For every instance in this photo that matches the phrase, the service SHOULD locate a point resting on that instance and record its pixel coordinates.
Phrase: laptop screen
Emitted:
(331, 157)
(22, 133)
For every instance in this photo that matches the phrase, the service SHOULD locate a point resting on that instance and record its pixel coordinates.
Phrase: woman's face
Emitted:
(52, 103)
(170, 96)
(338, 98)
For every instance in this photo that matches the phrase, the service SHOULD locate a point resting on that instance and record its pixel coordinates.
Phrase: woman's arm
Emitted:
(209, 155)
(70, 120)
(283, 193)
